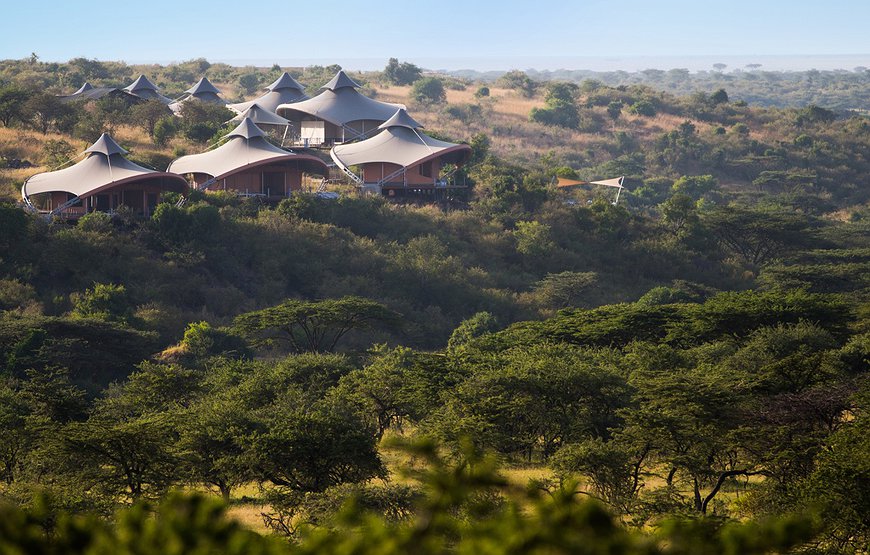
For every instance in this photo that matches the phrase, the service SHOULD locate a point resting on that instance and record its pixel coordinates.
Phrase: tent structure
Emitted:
(399, 158)
(145, 89)
(203, 91)
(284, 90)
(89, 92)
(103, 181)
(340, 113)
(248, 164)
(615, 182)
(265, 119)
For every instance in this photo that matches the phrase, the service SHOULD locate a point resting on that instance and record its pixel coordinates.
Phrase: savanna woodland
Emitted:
(520, 368)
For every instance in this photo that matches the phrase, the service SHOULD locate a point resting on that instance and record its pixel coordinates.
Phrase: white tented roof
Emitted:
(89, 92)
(203, 91)
(286, 81)
(284, 90)
(340, 81)
(260, 116)
(340, 103)
(104, 166)
(246, 146)
(399, 143)
(202, 86)
(143, 88)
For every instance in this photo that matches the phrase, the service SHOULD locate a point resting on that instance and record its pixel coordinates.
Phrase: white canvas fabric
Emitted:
(286, 81)
(341, 80)
(202, 86)
(143, 88)
(339, 103)
(615, 182)
(89, 92)
(260, 116)
(284, 90)
(399, 143)
(104, 166)
(246, 146)
(339, 107)
(203, 91)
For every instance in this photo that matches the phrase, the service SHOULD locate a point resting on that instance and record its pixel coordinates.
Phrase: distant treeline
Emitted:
(833, 89)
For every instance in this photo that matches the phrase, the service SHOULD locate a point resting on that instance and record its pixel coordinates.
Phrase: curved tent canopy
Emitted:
(340, 81)
(203, 91)
(203, 86)
(103, 168)
(246, 147)
(399, 143)
(89, 92)
(260, 116)
(284, 90)
(339, 104)
(143, 88)
(286, 81)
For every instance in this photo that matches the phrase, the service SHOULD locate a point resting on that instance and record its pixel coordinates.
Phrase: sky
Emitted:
(444, 34)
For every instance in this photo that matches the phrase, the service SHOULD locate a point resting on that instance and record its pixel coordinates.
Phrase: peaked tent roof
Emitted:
(341, 103)
(247, 129)
(286, 81)
(260, 116)
(106, 145)
(104, 167)
(89, 92)
(401, 119)
(284, 90)
(202, 86)
(246, 147)
(398, 144)
(203, 91)
(141, 83)
(143, 88)
(340, 81)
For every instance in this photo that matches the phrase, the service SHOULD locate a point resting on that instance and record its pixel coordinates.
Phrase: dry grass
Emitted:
(505, 119)
(250, 516)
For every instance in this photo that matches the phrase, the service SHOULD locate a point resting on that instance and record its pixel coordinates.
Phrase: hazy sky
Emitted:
(288, 31)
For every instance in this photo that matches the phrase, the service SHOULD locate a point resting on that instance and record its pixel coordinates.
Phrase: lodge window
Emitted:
(426, 169)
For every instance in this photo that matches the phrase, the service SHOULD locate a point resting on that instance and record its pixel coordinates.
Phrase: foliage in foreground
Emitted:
(467, 508)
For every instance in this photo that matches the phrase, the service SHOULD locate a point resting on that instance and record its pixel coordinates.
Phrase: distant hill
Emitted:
(832, 89)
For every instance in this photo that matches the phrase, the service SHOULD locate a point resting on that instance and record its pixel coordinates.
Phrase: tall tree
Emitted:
(313, 325)
(401, 73)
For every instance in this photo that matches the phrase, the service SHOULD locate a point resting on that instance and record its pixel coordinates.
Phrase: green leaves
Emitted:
(313, 326)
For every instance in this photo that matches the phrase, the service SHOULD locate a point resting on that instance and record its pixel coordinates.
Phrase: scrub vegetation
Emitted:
(522, 369)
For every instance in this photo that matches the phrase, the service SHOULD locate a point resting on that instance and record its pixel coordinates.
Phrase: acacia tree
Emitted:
(309, 449)
(12, 101)
(129, 456)
(213, 443)
(148, 113)
(429, 90)
(690, 420)
(45, 111)
(561, 106)
(403, 73)
(14, 435)
(317, 326)
(759, 236)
